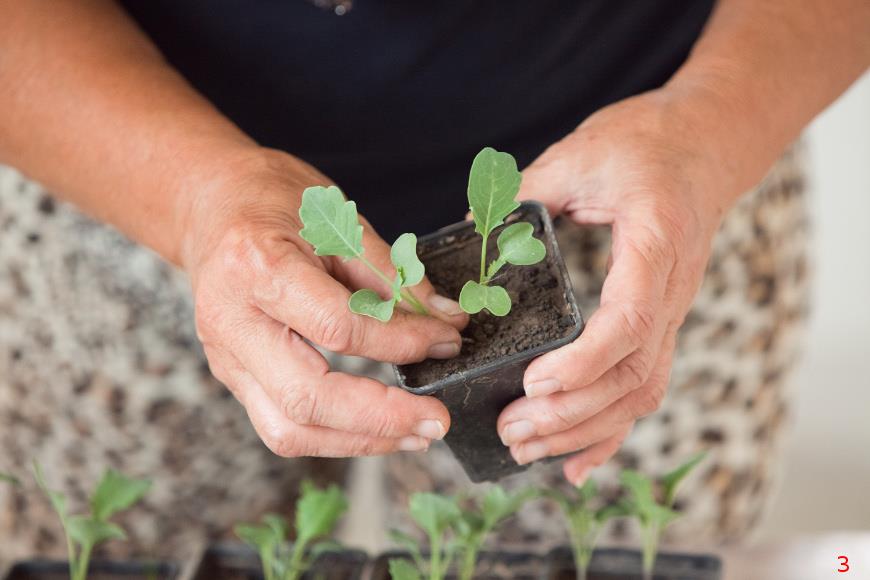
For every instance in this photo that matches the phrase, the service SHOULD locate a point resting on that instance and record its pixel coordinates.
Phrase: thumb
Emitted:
(356, 275)
(547, 180)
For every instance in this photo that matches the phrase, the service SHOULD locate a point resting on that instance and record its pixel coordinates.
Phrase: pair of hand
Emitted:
(259, 290)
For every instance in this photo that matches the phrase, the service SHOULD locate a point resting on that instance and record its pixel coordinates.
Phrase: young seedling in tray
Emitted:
(654, 515)
(317, 512)
(114, 493)
(493, 184)
(332, 226)
(467, 527)
(584, 521)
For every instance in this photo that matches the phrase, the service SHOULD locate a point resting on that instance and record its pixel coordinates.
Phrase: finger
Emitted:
(357, 275)
(637, 404)
(631, 316)
(548, 181)
(299, 382)
(287, 439)
(540, 416)
(307, 299)
(578, 467)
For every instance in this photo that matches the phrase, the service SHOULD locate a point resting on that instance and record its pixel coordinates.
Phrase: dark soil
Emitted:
(45, 570)
(540, 313)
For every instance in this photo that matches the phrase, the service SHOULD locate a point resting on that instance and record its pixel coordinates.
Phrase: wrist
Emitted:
(255, 187)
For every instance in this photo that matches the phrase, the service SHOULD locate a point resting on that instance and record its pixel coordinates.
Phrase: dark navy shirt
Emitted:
(394, 98)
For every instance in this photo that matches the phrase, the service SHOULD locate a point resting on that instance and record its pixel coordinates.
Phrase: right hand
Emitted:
(260, 290)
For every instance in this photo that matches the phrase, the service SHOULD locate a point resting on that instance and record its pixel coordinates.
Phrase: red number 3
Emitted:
(844, 564)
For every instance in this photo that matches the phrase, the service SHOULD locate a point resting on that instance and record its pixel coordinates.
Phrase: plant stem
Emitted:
(406, 295)
(483, 279)
(650, 547)
(294, 569)
(267, 557)
(435, 572)
(469, 560)
(81, 572)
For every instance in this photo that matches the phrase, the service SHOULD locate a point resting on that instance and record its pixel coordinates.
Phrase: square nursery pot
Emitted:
(622, 564)
(98, 570)
(487, 374)
(490, 566)
(234, 561)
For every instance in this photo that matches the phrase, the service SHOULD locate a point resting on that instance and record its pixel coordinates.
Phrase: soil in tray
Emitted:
(490, 566)
(539, 315)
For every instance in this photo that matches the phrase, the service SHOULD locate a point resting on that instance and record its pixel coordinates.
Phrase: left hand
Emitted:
(639, 166)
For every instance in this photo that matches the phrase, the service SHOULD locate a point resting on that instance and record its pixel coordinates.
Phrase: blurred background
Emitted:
(828, 464)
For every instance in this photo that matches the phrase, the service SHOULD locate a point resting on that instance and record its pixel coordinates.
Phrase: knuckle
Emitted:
(645, 402)
(300, 404)
(559, 417)
(635, 370)
(335, 331)
(363, 446)
(283, 443)
(638, 323)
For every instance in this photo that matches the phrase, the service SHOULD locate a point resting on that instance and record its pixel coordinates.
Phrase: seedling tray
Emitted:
(55, 570)
(622, 564)
(488, 374)
(233, 561)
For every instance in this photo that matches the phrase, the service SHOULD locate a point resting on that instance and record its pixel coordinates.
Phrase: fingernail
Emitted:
(430, 429)
(413, 443)
(443, 350)
(517, 432)
(541, 388)
(445, 305)
(581, 476)
(529, 452)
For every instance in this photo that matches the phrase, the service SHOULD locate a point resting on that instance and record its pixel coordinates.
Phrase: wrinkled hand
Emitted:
(259, 290)
(637, 166)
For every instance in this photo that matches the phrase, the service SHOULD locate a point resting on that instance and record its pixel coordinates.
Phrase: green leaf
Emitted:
(88, 531)
(640, 491)
(401, 569)
(278, 525)
(369, 303)
(671, 481)
(493, 183)
(588, 490)
(324, 547)
(331, 223)
(115, 492)
(403, 254)
(408, 543)
(475, 297)
(10, 479)
(608, 512)
(259, 536)
(317, 511)
(517, 245)
(498, 504)
(433, 513)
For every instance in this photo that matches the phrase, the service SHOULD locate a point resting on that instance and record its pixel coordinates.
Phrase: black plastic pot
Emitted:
(54, 570)
(475, 396)
(621, 564)
(234, 561)
(490, 566)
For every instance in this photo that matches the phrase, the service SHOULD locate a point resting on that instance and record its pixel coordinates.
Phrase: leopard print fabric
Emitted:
(729, 387)
(100, 367)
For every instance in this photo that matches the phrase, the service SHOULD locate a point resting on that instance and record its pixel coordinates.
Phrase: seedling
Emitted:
(436, 515)
(317, 512)
(468, 528)
(114, 493)
(584, 521)
(652, 514)
(10, 479)
(493, 184)
(475, 524)
(332, 226)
